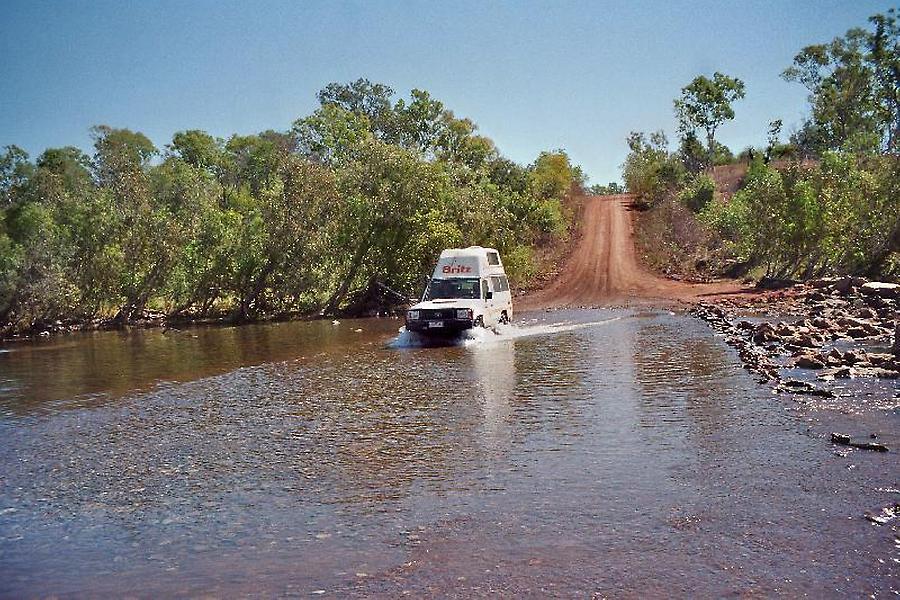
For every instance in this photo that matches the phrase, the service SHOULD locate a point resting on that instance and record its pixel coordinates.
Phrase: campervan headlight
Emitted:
(463, 313)
(412, 315)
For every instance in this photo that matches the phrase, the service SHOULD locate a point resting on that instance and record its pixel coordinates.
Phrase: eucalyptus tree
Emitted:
(706, 104)
(854, 89)
(365, 98)
(842, 99)
(392, 217)
(15, 171)
(284, 235)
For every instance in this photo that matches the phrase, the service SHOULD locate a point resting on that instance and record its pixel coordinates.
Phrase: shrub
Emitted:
(520, 265)
(698, 194)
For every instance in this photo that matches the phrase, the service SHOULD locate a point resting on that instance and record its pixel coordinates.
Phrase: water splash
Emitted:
(496, 334)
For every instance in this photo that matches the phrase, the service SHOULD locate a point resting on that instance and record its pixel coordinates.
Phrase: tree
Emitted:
(330, 134)
(854, 89)
(119, 152)
(362, 97)
(650, 172)
(551, 175)
(419, 124)
(772, 138)
(252, 161)
(884, 56)
(692, 153)
(833, 217)
(69, 165)
(121, 168)
(457, 142)
(287, 230)
(390, 195)
(706, 104)
(840, 84)
(41, 289)
(507, 175)
(613, 187)
(88, 223)
(14, 173)
(198, 149)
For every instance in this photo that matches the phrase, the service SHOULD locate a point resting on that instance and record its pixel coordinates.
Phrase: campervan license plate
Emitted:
(435, 324)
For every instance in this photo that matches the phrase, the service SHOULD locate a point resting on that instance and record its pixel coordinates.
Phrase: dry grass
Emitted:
(728, 179)
(673, 243)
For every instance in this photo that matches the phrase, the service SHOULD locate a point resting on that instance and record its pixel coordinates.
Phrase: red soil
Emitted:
(604, 268)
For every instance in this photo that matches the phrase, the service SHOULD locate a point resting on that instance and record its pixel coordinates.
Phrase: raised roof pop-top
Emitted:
(474, 261)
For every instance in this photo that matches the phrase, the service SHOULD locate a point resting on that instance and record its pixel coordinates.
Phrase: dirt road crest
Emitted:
(604, 267)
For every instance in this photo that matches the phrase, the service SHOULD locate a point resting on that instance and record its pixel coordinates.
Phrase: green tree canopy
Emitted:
(197, 148)
(15, 169)
(854, 89)
(705, 104)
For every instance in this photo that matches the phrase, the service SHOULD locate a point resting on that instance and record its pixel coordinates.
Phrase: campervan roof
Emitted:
(473, 261)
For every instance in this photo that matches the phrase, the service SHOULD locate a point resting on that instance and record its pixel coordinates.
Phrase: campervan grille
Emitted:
(439, 313)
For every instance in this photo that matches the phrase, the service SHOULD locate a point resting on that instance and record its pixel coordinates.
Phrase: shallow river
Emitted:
(608, 453)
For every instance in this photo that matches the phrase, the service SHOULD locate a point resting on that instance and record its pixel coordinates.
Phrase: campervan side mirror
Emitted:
(488, 295)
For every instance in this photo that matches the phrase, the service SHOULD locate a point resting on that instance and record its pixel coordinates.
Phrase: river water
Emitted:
(618, 453)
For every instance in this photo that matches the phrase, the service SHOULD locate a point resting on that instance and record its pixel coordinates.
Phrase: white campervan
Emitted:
(468, 289)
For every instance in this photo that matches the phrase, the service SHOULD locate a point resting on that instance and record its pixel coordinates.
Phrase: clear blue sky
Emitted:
(532, 75)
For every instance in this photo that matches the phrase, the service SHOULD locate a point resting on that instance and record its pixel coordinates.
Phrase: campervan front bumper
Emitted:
(438, 326)
(439, 321)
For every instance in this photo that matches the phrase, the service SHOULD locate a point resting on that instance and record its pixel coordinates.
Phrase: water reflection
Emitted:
(632, 456)
(689, 378)
(85, 368)
(494, 367)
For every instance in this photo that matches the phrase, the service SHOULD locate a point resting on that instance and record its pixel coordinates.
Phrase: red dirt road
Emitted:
(604, 267)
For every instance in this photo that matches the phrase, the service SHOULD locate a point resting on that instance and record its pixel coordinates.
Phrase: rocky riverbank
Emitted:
(839, 328)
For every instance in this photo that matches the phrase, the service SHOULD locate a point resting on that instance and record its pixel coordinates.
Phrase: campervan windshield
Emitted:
(466, 288)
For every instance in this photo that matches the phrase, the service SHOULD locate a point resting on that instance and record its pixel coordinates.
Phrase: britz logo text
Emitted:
(455, 269)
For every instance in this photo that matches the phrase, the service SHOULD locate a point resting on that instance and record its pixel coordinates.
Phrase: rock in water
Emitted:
(881, 289)
(887, 514)
(844, 440)
(808, 361)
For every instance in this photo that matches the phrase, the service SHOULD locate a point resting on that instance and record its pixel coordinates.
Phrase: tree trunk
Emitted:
(242, 314)
(711, 151)
(180, 309)
(338, 296)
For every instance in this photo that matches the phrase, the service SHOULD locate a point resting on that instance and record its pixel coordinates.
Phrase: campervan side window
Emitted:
(499, 283)
(493, 259)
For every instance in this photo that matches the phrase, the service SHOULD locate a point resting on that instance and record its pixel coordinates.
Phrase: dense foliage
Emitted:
(854, 87)
(828, 202)
(365, 189)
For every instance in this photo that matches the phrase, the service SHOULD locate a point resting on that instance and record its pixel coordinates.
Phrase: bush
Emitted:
(520, 265)
(841, 216)
(730, 220)
(673, 241)
(699, 194)
(650, 172)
